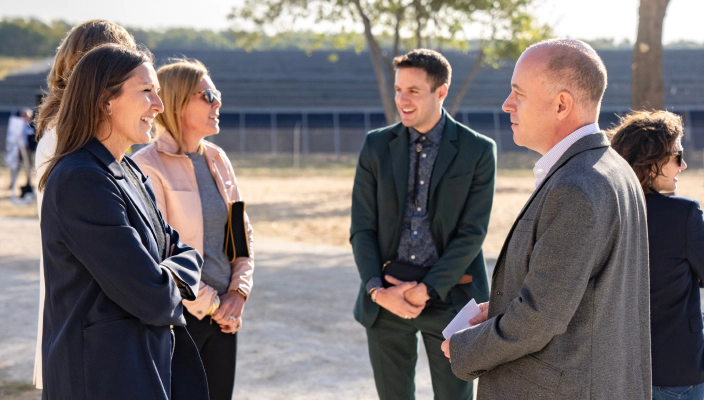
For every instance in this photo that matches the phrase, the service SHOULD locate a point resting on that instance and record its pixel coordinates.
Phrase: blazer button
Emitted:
(499, 293)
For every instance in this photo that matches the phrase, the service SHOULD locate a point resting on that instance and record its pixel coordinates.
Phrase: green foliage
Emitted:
(33, 38)
(515, 31)
(186, 39)
(30, 37)
(505, 27)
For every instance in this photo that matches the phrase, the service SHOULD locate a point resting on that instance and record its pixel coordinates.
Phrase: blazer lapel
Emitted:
(104, 156)
(446, 154)
(398, 148)
(588, 142)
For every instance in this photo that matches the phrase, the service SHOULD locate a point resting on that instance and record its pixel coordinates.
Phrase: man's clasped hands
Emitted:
(408, 299)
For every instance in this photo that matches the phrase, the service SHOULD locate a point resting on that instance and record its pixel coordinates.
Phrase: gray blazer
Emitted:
(569, 306)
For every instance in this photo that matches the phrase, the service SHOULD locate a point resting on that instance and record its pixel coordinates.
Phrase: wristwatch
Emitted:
(372, 293)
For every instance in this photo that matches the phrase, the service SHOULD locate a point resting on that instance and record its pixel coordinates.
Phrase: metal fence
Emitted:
(341, 131)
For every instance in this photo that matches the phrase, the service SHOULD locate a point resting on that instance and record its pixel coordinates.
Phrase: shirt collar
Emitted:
(547, 161)
(434, 135)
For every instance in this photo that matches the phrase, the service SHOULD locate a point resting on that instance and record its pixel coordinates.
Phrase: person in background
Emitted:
(115, 272)
(194, 184)
(650, 141)
(81, 39)
(18, 153)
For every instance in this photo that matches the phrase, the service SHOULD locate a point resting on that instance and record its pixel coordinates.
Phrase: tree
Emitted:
(646, 81)
(506, 26)
(510, 36)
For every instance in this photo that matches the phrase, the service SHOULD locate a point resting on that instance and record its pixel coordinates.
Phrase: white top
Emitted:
(546, 162)
(45, 150)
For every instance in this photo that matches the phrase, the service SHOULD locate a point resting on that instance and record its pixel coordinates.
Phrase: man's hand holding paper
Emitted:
(471, 314)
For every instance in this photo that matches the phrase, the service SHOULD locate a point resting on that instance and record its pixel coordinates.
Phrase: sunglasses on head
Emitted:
(210, 95)
(678, 156)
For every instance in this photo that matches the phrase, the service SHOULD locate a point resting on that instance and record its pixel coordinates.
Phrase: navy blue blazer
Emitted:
(110, 298)
(676, 243)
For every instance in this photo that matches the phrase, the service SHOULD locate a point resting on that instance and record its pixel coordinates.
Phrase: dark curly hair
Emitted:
(645, 140)
(433, 63)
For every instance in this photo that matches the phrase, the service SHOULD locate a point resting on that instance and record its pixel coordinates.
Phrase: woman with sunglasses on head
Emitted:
(650, 141)
(116, 274)
(81, 39)
(194, 184)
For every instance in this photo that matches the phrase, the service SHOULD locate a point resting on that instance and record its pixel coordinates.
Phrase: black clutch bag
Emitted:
(236, 243)
(403, 271)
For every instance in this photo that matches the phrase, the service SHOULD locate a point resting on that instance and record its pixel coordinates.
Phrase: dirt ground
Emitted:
(316, 208)
(299, 340)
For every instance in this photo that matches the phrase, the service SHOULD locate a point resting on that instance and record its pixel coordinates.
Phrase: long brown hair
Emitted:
(178, 80)
(97, 78)
(79, 41)
(645, 140)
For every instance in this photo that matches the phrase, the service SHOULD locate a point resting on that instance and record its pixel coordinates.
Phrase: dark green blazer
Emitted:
(459, 204)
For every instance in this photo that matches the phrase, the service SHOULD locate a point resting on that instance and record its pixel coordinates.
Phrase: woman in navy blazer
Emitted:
(115, 272)
(651, 143)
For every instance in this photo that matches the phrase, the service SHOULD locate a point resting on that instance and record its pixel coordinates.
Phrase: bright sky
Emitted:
(585, 19)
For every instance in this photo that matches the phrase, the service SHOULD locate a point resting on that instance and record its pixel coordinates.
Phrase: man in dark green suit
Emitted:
(422, 195)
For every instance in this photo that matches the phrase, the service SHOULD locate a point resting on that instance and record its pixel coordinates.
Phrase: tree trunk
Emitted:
(397, 33)
(476, 67)
(646, 83)
(377, 59)
(419, 24)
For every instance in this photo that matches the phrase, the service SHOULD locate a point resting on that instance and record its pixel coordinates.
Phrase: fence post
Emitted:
(306, 146)
(336, 132)
(497, 131)
(243, 138)
(273, 133)
(297, 146)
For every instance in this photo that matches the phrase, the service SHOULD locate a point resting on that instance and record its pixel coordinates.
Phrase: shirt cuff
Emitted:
(372, 283)
(431, 292)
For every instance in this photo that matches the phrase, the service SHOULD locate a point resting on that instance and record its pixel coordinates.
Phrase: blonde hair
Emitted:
(178, 80)
(79, 41)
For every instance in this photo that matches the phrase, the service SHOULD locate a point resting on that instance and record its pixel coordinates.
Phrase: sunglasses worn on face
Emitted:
(210, 95)
(678, 156)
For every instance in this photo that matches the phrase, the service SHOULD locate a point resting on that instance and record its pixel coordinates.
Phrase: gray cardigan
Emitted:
(569, 305)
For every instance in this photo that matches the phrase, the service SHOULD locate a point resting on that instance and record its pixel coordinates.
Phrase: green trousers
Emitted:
(393, 351)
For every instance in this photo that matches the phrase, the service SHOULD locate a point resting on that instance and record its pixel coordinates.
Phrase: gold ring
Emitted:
(406, 317)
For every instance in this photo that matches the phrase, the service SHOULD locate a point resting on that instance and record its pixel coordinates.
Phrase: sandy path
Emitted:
(299, 340)
(19, 274)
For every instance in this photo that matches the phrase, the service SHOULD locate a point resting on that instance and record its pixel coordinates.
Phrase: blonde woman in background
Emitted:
(194, 182)
(79, 41)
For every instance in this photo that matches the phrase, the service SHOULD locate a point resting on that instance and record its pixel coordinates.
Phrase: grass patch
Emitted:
(282, 165)
(514, 164)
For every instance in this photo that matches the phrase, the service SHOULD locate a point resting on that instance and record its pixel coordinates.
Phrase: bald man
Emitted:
(568, 314)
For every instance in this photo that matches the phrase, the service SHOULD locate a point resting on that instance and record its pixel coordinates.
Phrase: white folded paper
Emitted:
(461, 320)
